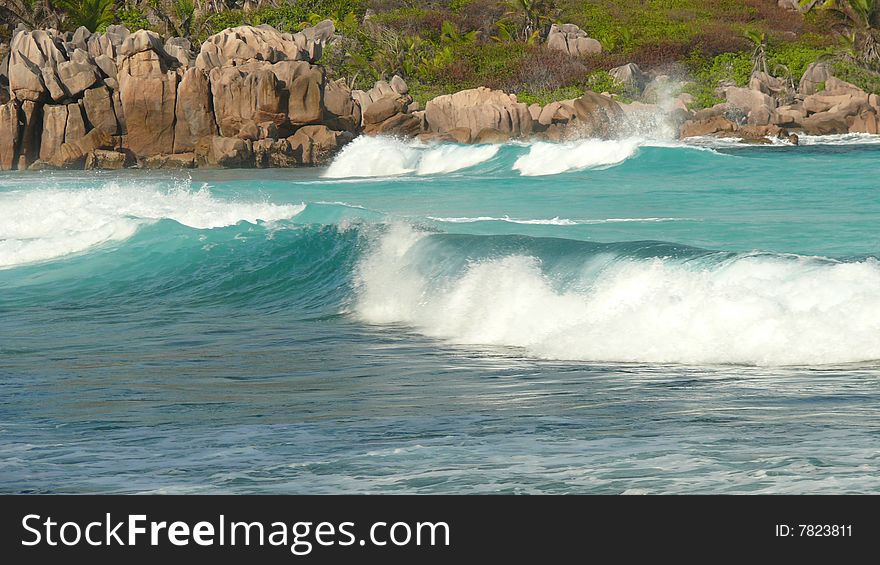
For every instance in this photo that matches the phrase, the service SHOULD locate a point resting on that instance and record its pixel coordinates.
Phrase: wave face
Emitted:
(386, 157)
(633, 302)
(555, 158)
(46, 224)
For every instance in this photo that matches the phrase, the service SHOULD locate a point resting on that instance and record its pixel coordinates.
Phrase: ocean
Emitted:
(599, 317)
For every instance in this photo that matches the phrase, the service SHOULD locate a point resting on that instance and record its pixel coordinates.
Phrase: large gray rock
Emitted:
(73, 154)
(78, 74)
(245, 99)
(382, 109)
(837, 96)
(139, 42)
(767, 84)
(827, 123)
(477, 109)
(180, 49)
(631, 76)
(757, 105)
(75, 129)
(195, 119)
(53, 84)
(342, 112)
(215, 151)
(54, 125)
(570, 39)
(148, 93)
(29, 140)
(815, 75)
(25, 78)
(316, 145)
(9, 130)
(596, 115)
(263, 43)
(98, 105)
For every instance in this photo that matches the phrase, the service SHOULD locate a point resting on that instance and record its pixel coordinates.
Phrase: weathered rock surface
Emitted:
(243, 99)
(169, 161)
(193, 114)
(9, 131)
(31, 125)
(73, 154)
(814, 77)
(596, 115)
(263, 43)
(148, 92)
(341, 111)
(571, 39)
(229, 152)
(314, 145)
(77, 74)
(631, 76)
(478, 109)
(757, 105)
(54, 126)
(98, 105)
(102, 159)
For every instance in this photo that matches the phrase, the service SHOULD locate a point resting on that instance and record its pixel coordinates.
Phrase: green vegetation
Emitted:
(848, 70)
(444, 46)
(91, 14)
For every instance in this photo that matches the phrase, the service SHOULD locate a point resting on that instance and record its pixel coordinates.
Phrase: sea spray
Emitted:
(379, 156)
(605, 305)
(46, 224)
(555, 158)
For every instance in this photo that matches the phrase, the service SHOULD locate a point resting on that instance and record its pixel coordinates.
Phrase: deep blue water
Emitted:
(596, 317)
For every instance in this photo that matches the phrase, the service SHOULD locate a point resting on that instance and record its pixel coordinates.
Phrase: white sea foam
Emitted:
(369, 156)
(555, 221)
(45, 224)
(757, 310)
(840, 139)
(554, 158)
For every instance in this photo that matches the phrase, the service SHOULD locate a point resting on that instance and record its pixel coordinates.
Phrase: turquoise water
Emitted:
(596, 317)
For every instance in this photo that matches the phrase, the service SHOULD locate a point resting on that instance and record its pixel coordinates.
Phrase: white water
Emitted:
(754, 310)
(379, 156)
(555, 221)
(554, 158)
(39, 225)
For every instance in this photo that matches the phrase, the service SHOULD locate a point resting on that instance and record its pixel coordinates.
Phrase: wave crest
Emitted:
(741, 309)
(378, 156)
(45, 224)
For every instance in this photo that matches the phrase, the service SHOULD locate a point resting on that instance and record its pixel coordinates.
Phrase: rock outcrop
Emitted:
(194, 116)
(478, 109)
(821, 105)
(168, 106)
(571, 39)
(9, 133)
(631, 77)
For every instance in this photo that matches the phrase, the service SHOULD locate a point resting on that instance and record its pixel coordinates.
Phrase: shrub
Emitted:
(848, 70)
(133, 19)
(415, 21)
(601, 81)
(794, 57)
(544, 97)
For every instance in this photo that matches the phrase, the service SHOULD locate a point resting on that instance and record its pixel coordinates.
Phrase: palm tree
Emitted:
(759, 55)
(534, 14)
(860, 15)
(91, 14)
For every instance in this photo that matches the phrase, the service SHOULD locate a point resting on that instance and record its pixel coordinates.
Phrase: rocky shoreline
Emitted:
(255, 97)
